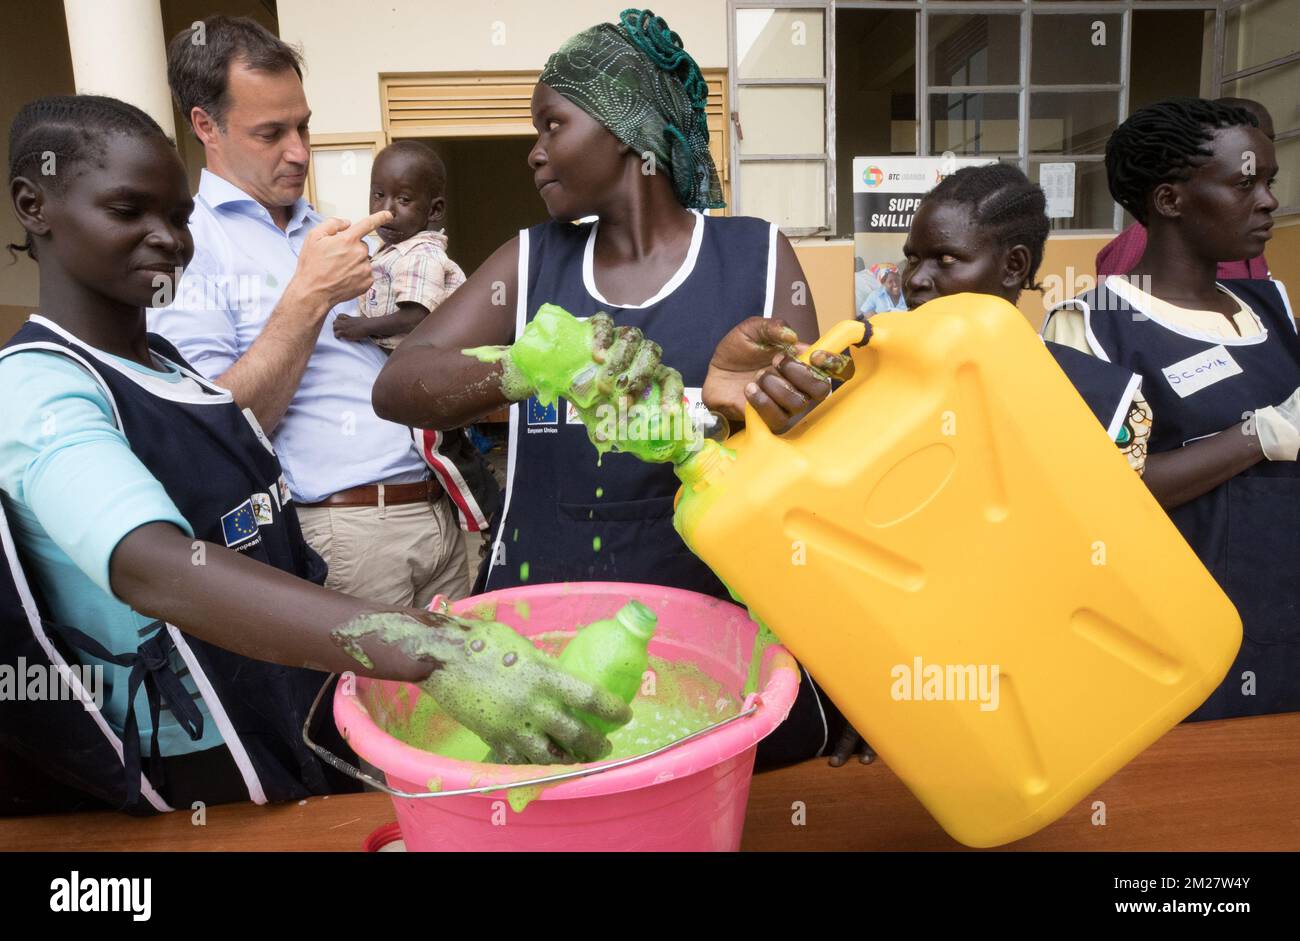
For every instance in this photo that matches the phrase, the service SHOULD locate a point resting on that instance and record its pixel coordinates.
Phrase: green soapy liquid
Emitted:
(513, 385)
(523, 609)
(762, 640)
(523, 572)
(488, 354)
(645, 429)
(552, 357)
(521, 797)
(595, 543)
(676, 700)
(600, 492)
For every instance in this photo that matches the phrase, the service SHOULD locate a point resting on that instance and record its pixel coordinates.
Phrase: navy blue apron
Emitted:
(552, 515)
(224, 477)
(1247, 530)
(553, 525)
(1106, 388)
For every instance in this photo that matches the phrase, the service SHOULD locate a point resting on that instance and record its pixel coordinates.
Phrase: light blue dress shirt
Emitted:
(330, 438)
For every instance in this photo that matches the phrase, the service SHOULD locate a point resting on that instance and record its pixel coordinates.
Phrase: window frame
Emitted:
(360, 140)
(1024, 89)
(1222, 80)
(826, 82)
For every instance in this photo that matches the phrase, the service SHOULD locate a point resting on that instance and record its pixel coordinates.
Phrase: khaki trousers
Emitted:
(393, 555)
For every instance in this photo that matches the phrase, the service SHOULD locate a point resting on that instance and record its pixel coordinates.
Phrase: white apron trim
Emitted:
(521, 321)
(1083, 307)
(1125, 291)
(218, 712)
(69, 675)
(1125, 404)
(673, 283)
(769, 297)
(215, 394)
(210, 699)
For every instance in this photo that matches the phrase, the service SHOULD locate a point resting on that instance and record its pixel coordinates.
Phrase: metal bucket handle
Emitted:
(748, 708)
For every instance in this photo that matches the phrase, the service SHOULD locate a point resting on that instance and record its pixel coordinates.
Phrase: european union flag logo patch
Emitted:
(239, 524)
(539, 414)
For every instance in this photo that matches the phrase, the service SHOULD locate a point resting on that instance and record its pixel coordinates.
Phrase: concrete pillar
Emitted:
(118, 49)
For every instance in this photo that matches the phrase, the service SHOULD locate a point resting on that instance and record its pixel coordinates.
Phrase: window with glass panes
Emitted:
(1259, 58)
(1032, 82)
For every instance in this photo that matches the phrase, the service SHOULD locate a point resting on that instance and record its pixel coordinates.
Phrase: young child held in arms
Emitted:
(413, 274)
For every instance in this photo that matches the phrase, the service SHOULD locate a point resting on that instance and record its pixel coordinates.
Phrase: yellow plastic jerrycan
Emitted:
(955, 549)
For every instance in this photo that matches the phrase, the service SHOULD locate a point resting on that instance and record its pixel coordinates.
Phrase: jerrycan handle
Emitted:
(844, 334)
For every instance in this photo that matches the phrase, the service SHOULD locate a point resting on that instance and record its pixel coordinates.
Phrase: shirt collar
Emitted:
(220, 193)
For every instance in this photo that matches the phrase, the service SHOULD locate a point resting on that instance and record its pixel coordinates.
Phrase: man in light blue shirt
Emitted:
(254, 313)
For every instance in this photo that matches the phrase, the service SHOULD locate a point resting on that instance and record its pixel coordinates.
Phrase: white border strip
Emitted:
(681, 274)
(218, 713)
(826, 731)
(521, 321)
(1135, 298)
(770, 291)
(34, 622)
(214, 396)
(1083, 308)
(1121, 412)
(210, 699)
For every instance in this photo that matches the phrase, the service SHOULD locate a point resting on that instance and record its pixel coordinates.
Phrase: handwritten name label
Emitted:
(1201, 370)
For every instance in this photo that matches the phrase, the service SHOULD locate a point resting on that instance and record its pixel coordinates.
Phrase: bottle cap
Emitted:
(638, 619)
(701, 463)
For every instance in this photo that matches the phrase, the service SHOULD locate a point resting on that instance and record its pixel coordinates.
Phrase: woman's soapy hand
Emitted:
(587, 361)
(518, 700)
(626, 363)
(756, 362)
(498, 685)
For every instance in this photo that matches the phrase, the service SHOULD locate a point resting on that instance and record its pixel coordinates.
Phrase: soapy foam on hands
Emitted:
(684, 700)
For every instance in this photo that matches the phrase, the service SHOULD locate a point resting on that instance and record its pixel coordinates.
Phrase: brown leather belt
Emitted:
(381, 495)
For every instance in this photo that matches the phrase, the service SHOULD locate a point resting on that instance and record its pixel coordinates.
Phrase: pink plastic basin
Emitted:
(691, 797)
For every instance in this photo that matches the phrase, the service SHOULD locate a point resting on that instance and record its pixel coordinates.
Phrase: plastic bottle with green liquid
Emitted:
(613, 654)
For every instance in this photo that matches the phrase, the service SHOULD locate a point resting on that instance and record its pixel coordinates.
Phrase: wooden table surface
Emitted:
(1229, 785)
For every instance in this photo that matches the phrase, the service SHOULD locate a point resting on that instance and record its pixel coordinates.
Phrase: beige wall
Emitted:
(829, 268)
(348, 44)
(34, 61)
(179, 14)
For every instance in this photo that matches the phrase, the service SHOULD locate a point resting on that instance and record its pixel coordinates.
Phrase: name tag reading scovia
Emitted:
(1203, 369)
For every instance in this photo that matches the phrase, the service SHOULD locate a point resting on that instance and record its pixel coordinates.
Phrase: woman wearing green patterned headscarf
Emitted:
(637, 80)
(622, 136)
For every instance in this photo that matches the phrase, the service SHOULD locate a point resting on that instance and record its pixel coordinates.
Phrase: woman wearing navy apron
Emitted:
(1220, 363)
(622, 135)
(154, 574)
